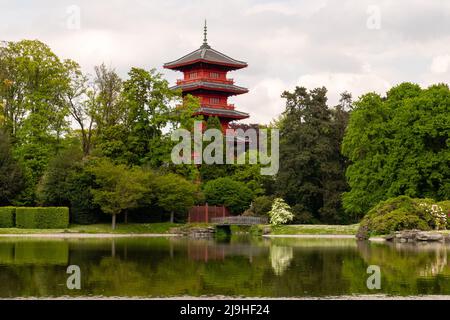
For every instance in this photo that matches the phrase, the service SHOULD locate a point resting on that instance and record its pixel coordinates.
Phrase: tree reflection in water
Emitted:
(281, 258)
(162, 267)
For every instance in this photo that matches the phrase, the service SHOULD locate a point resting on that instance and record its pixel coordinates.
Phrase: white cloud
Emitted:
(440, 64)
(336, 83)
(263, 102)
(288, 8)
(286, 42)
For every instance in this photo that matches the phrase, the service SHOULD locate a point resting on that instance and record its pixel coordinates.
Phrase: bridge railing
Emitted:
(239, 220)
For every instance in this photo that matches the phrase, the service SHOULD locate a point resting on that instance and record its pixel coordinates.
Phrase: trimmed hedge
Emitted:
(42, 218)
(7, 217)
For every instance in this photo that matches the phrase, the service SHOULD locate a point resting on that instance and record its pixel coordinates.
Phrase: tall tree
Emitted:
(147, 107)
(81, 100)
(55, 184)
(311, 177)
(33, 81)
(109, 109)
(148, 99)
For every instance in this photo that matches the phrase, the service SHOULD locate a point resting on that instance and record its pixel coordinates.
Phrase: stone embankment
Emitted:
(417, 236)
(195, 232)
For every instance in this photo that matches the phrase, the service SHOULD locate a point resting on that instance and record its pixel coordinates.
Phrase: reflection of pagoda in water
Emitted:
(205, 77)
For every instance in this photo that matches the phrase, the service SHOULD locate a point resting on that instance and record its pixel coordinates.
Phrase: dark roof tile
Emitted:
(223, 112)
(208, 55)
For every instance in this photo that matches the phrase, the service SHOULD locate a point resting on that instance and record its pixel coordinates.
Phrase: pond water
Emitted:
(168, 267)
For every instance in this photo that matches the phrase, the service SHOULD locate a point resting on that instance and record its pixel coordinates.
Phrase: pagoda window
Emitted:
(193, 75)
(214, 100)
(214, 75)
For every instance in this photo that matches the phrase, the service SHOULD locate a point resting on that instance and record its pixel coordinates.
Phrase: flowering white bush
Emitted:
(438, 214)
(280, 213)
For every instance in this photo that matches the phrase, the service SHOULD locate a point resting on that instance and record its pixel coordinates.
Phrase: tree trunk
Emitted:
(171, 217)
(126, 218)
(114, 222)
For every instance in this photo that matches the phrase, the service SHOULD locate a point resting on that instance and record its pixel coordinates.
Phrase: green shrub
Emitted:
(262, 205)
(445, 205)
(7, 217)
(395, 214)
(230, 193)
(42, 218)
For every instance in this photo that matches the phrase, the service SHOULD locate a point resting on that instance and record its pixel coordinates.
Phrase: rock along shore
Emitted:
(417, 236)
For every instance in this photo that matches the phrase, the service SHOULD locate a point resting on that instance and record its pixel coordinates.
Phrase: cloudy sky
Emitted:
(353, 45)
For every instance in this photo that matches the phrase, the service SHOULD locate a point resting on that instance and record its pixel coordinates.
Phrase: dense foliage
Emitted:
(100, 145)
(235, 195)
(400, 213)
(398, 145)
(175, 194)
(11, 174)
(445, 205)
(105, 164)
(262, 205)
(311, 176)
(119, 188)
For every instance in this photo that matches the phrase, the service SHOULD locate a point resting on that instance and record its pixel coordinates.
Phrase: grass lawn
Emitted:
(316, 229)
(159, 228)
(162, 228)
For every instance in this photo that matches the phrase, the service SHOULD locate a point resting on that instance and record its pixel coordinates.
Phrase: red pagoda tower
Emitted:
(205, 77)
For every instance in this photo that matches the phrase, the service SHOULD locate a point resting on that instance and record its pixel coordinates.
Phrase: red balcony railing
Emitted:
(183, 81)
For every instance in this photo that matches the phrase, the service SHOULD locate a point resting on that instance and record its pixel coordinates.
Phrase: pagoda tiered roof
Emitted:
(206, 54)
(209, 85)
(224, 113)
(205, 77)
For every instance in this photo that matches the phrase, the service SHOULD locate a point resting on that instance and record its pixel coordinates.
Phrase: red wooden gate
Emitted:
(206, 213)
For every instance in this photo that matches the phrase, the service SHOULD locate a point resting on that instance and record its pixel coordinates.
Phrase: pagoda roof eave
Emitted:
(223, 113)
(180, 66)
(212, 86)
(205, 54)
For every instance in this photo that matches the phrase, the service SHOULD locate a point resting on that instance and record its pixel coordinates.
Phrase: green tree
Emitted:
(66, 182)
(311, 176)
(213, 123)
(11, 175)
(120, 188)
(108, 109)
(175, 194)
(53, 187)
(82, 104)
(262, 205)
(33, 81)
(137, 137)
(227, 192)
(398, 145)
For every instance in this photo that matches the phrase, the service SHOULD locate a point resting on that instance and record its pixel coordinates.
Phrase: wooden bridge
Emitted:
(238, 221)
